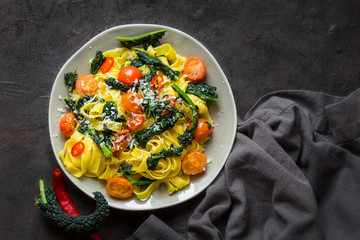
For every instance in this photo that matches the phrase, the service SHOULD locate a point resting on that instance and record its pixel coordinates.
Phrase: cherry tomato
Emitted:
(121, 141)
(172, 99)
(195, 69)
(77, 149)
(119, 187)
(68, 124)
(203, 129)
(86, 85)
(107, 64)
(128, 75)
(194, 163)
(136, 122)
(157, 83)
(131, 102)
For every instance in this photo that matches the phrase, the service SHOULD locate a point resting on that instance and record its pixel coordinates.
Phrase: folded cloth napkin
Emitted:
(293, 173)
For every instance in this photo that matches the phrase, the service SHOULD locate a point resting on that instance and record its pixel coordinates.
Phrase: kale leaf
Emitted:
(153, 160)
(146, 40)
(126, 171)
(96, 62)
(111, 113)
(188, 135)
(172, 74)
(161, 126)
(203, 90)
(115, 84)
(70, 79)
(73, 225)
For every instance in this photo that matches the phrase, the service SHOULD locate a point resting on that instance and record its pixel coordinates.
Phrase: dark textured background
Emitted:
(261, 45)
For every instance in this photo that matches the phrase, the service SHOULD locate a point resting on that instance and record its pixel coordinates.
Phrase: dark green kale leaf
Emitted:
(73, 225)
(70, 79)
(153, 160)
(103, 143)
(115, 84)
(111, 113)
(136, 63)
(203, 90)
(172, 74)
(146, 40)
(161, 126)
(96, 62)
(126, 171)
(188, 135)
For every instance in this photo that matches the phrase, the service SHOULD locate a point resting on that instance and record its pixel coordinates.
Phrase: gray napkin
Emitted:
(293, 173)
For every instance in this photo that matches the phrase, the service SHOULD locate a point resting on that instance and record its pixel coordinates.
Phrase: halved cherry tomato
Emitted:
(194, 163)
(157, 83)
(107, 64)
(131, 102)
(128, 75)
(195, 69)
(86, 85)
(172, 99)
(136, 121)
(203, 129)
(77, 149)
(119, 187)
(68, 124)
(121, 141)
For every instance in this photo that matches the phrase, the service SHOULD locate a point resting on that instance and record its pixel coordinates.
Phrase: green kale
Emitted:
(136, 63)
(203, 90)
(161, 126)
(115, 84)
(72, 106)
(96, 62)
(153, 160)
(172, 74)
(103, 144)
(146, 40)
(149, 95)
(188, 135)
(126, 171)
(111, 113)
(73, 225)
(70, 79)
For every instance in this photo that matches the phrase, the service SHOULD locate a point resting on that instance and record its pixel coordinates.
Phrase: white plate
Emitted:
(223, 114)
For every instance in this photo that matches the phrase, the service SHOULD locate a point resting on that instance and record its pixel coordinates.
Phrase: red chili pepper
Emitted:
(64, 199)
(157, 83)
(77, 149)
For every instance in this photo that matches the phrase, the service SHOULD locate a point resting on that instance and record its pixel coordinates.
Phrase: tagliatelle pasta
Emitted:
(146, 154)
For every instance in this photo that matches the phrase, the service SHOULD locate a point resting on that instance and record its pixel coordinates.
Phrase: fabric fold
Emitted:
(293, 173)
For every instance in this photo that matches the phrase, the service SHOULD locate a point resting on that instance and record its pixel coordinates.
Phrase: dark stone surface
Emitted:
(262, 46)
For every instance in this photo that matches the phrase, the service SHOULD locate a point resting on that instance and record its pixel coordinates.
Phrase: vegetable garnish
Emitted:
(97, 62)
(70, 79)
(72, 224)
(154, 158)
(188, 135)
(146, 40)
(203, 90)
(86, 85)
(194, 163)
(77, 149)
(119, 187)
(194, 69)
(131, 102)
(172, 74)
(129, 75)
(157, 83)
(107, 64)
(136, 121)
(68, 124)
(203, 129)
